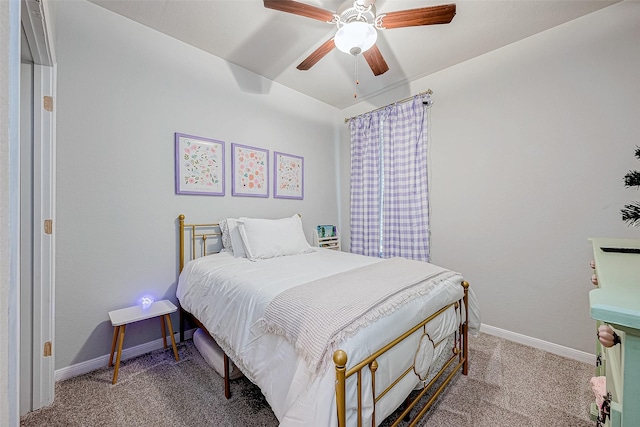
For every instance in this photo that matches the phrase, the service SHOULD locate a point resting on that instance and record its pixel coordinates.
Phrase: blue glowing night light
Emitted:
(146, 301)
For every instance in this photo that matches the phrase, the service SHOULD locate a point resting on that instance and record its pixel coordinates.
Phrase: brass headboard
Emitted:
(198, 233)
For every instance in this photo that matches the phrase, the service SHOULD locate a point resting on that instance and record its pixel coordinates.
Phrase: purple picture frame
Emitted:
(249, 171)
(288, 176)
(199, 165)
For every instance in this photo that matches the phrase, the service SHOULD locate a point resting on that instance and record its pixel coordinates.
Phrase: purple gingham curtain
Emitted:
(389, 204)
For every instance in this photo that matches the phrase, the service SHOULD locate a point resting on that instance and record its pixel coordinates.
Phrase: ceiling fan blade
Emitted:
(375, 60)
(317, 55)
(422, 16)
(298, 8)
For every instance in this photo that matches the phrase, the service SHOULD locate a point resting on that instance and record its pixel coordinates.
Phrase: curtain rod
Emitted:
(426, 92)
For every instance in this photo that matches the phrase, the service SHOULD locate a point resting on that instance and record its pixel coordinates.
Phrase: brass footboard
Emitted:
(460, 354)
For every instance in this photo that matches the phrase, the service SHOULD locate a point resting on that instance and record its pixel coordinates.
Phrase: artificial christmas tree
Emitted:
(631, 212)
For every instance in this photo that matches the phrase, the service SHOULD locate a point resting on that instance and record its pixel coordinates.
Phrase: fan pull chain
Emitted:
(355, 59)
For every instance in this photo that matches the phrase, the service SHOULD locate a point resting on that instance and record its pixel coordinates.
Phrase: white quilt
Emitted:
(229, 296)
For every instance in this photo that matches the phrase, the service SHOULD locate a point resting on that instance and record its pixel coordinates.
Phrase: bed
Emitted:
(328, 336)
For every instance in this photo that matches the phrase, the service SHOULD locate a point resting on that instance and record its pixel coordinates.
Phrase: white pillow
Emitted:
(269, 238)
(236, 240)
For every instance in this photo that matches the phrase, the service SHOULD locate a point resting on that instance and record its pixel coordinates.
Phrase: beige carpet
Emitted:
(508, 385)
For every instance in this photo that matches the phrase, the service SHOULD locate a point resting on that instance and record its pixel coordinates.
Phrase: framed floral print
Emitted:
(249, 171)
(288, 176)
(199, 165)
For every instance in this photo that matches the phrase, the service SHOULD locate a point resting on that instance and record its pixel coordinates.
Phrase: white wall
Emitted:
(123, 90)
(529, 146)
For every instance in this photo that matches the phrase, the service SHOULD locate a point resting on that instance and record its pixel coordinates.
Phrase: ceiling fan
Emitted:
(358, 23)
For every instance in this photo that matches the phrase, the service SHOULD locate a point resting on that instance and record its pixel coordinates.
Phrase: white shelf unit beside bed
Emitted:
(328, 239)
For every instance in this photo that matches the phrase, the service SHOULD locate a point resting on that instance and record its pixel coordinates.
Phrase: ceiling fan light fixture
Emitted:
(355, 37)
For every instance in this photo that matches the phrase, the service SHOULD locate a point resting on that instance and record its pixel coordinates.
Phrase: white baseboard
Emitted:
(560, 350)
(102, 361)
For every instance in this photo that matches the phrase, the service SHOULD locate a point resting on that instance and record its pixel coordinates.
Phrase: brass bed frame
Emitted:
(458, 360)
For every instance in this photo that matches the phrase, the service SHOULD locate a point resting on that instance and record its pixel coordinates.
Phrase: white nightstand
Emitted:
(121, 318)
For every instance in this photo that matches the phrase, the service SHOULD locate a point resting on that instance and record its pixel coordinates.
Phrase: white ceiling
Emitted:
(272, 43)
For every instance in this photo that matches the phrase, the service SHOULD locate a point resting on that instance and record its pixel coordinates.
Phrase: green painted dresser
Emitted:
(616, 302)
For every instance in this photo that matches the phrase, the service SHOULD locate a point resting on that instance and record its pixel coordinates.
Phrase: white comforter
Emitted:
(229, 296)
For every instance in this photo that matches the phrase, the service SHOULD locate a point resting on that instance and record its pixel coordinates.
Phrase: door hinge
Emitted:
(47, 349)
(48, 226)
(48, 103)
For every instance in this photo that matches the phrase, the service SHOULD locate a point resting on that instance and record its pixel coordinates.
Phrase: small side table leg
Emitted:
(173, 340)
(115, 371)
(164, 332)
(113, 344)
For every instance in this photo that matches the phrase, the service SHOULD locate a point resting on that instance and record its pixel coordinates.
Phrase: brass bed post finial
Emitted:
(340, 360)
(204, 245)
